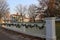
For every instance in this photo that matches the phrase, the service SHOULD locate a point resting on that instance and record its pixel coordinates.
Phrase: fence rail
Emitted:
(34, 29)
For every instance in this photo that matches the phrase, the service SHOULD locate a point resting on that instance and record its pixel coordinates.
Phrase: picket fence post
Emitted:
(50, 28)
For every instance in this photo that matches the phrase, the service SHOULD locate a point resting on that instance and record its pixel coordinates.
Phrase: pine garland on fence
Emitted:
(26, 25)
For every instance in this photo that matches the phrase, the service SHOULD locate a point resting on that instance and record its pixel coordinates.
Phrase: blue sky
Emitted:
(14, 3)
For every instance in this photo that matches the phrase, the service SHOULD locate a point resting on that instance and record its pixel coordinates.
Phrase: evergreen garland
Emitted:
(27, 25)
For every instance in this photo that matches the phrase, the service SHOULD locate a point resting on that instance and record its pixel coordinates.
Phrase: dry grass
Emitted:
(58, 30)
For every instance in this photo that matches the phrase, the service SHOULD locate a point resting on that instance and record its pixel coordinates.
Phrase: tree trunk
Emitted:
(33, 19)
(1, 21)
(51, 7)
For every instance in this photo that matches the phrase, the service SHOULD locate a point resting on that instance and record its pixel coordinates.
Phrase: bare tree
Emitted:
(3, 8)
(21, 10)
(43, 6)
(32, 11)
(50, 11)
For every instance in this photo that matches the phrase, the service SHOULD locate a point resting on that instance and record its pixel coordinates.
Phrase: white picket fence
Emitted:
(47, 32)
(34, 31)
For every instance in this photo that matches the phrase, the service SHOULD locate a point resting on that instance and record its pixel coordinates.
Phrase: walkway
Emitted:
(10, 35)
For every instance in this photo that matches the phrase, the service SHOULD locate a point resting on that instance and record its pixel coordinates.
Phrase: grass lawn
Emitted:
(58, 30)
